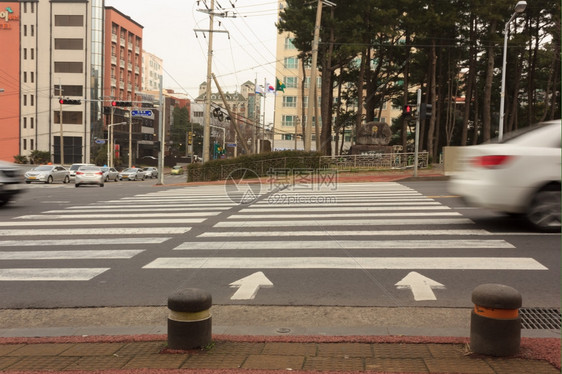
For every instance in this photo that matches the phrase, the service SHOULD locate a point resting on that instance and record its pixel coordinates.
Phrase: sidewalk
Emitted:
(255, 354)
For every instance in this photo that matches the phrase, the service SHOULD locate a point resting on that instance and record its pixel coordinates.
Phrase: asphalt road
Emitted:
(406, 244)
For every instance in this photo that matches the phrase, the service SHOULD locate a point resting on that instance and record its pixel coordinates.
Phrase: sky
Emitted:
(245, 53)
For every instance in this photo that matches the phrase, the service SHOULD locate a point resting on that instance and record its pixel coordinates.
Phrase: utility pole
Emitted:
(130, 137)
(161, 132)
(207, 118)
(61, 132)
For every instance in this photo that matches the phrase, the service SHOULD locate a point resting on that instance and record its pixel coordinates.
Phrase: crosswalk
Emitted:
(356, 219)
(351, 227)
(109, 231)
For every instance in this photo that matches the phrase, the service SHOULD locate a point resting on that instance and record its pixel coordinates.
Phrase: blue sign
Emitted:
(100, 141)
(231, 145)
(142, 113)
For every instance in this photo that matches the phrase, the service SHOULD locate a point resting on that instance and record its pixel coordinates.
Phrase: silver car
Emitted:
(150, 172)
(110, 174)
(11, 178)
(132, 174)
(48, 174)
(89, 175)
(75, 167)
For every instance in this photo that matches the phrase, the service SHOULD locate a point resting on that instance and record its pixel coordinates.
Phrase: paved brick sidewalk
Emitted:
(228, 354)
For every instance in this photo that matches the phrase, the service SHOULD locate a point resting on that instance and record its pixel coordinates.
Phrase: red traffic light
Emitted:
(408, 109)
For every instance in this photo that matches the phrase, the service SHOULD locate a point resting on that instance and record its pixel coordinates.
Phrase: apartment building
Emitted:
(152, 69)
(46, 63)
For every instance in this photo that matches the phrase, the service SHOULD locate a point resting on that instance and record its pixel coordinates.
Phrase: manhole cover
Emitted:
(540, 318)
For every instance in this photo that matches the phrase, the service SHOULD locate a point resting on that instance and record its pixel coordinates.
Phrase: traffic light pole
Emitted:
(61, 130)
(417, 141)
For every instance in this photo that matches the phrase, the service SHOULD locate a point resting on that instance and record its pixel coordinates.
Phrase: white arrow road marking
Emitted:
(248, 287)
(421, 286)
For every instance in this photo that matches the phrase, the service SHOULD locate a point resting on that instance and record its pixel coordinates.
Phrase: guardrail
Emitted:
(374, 161)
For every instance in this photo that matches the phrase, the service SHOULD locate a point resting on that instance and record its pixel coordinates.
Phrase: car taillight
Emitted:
(99, 173)
(79, 172)
(492, 161)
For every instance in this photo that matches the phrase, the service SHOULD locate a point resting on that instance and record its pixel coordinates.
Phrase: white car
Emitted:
(132, 174)
(74, 167)
(110, 174)
(519, 176)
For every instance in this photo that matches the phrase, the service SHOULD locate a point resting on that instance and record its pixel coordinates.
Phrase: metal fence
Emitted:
(374, 161)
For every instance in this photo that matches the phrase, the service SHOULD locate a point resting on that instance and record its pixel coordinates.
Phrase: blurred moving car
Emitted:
(519, 176)
(132, 174)
(150, 172)
(176, 170)
(89, 175)
(47, 174)
(110, 174)
(11, 179)
(75, 167)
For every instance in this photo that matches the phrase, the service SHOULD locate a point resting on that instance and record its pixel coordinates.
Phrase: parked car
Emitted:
(519, 176)
(176, 170)
(110, 174)
(47, 174)
(150, 172)
(11, 180)
(89, 175)
(132, 174)
(75, 167)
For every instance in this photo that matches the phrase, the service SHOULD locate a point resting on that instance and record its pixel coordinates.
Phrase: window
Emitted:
(68, 90)
(69, 20)
(24, 30)
(289, 43)
(72, 118)
(31, 122)
(25, 53)
(287, 136)
(69, 67)
(32, 144)
(24, 100)
(73, 44)
(32, 100)
(24, 77)
(291, 62)
(32, 30)
(32, 77)
(32, 53)
(290, 101)
(25, 122)
(291, 82)
(24, 144)
(289, 121)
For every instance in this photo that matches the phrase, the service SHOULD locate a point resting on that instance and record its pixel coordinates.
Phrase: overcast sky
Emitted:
(169, 33)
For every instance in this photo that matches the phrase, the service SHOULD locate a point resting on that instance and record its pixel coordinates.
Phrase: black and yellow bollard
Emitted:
(189, 319)
(495, 324)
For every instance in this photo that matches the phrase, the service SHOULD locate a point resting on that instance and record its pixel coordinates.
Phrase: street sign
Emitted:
(231, 145)
(142, 113)
(100, 141)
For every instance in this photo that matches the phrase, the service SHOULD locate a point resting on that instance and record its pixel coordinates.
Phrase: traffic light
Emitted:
(122, 103)
(70, 101)
(190, 138)
(425, 111)
(408, 111)
(156, 146)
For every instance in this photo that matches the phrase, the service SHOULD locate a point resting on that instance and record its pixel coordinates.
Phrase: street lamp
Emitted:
(519, 8)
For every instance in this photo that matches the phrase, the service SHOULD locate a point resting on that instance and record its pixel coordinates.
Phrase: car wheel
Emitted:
(101, 185)
(107, 179)
(76, 185)
(544, 210)
(116, 179)
(49, 180)
(66, 179)
(28, 182)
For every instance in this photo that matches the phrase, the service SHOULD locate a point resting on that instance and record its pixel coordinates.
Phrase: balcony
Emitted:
(129, 87)
(113, 82)
(113, 60)
(130, 66)
(137, 50)
(122, 63)
(114, 38)
(137, 70)
(130, 46)
(121, 85)
(122, 42)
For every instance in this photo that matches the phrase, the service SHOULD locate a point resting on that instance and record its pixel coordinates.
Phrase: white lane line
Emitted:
(70, 255)
(108, 222)
(117, 215)
(100, 205)
(369, 263)
(106, 231)
(342, 215)
(348, 244)
(131, 208)
(241, 234)
(159, 202)
(348, 222)
(289, 204)
(50, 274)
(79, 241)
(344, 209)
